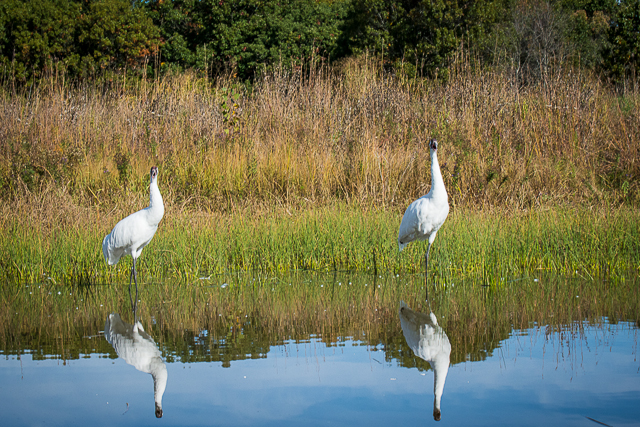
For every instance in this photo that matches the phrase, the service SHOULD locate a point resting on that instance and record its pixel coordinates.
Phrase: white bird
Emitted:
(429, 342)
(137, 348)
(134, 232)
(424, 217)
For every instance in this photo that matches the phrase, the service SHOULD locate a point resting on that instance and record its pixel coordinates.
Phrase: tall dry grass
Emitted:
(350, 133)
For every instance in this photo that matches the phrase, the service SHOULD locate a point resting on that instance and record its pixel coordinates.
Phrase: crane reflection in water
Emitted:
(429, 342)
(137, 348)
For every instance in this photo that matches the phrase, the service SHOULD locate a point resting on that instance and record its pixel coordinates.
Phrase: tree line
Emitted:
(96, 38)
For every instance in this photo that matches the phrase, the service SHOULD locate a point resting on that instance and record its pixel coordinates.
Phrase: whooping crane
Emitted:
(424, 217)
(134, 232)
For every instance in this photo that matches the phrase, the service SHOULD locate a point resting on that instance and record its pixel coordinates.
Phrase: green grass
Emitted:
(478, 246)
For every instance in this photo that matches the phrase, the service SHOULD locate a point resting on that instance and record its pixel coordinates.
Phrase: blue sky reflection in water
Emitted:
(535, 377)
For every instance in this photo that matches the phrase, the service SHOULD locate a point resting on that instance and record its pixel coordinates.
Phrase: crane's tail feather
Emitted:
(105, 248)
(111, 257)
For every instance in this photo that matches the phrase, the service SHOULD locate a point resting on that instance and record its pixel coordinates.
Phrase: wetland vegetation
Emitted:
(310, 171)
(283, 195)
(313, 169)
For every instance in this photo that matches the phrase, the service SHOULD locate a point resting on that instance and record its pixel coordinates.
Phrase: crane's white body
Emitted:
(134, 232)
(424, 217)
(137, 348)
(429, 342)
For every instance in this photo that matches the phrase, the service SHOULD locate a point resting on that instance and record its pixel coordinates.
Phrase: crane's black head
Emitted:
(437, 415)
(158, 412)
(154, 172)
(433, 144)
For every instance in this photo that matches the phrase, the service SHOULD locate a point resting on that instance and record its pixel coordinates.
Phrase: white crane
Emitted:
(429, 342)
(424, 217)
(137, 348)
(134, 232)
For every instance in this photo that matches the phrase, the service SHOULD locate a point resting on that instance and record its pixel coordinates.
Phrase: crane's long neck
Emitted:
(437, 183)
(440, 370)
(159, 374)
(156, 205)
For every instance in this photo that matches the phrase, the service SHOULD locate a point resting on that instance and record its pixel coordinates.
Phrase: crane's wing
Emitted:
(129, 236)
(421, 220)
(412, 227)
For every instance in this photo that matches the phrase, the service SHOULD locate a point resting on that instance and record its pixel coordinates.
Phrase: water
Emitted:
(99, 373)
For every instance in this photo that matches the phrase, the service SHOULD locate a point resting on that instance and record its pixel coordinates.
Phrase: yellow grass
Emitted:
(350, 133)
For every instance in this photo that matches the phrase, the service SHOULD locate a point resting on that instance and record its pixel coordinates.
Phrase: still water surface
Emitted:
(577, 374)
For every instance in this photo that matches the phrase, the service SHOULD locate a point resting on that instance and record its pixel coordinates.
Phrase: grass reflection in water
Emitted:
(234, 317)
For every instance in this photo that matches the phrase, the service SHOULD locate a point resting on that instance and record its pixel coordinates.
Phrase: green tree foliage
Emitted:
(423, 32)
(623, 56)
(589, 22)
(37, 35)
(79, 37)
(95, 37)
(589, 35)
(114, 35)
(178, 28)
(542, 35)
(246, 34)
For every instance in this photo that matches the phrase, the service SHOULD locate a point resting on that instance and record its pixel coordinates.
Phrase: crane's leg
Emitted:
(135, 279)
(426, 275)
(130, 276)
(133, 274)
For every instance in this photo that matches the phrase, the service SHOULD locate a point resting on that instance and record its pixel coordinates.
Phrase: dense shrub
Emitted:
(79, 38)
(96, 38)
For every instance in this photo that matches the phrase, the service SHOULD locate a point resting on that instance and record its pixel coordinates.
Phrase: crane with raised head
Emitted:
(424, 217)
(134, 232)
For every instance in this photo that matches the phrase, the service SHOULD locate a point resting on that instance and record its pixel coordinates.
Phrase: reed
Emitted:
(348, 133)
(63, 245)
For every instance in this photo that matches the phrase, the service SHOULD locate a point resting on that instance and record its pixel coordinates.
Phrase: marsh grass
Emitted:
(312, 171)
(348, 133)
(49, 241)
